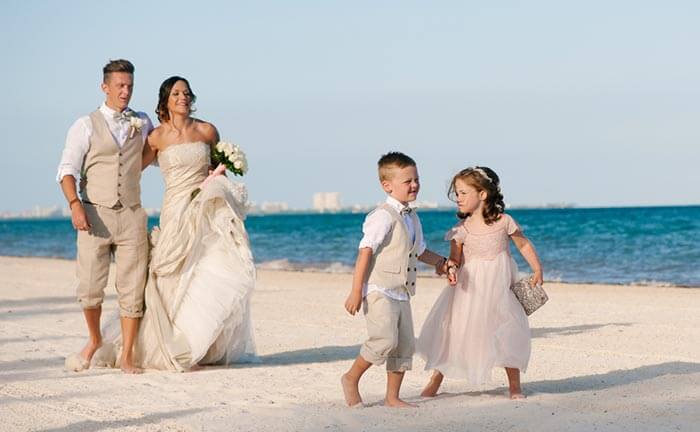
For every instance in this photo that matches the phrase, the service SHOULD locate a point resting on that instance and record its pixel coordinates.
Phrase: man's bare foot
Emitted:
(128, 367)
(350, 391)
(89, 350)
(433, 385)
(398, 403)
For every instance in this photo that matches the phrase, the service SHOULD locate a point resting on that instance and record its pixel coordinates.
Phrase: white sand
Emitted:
(605, 358)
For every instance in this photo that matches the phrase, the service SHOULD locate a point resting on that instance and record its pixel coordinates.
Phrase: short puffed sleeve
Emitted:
(511, 225)
(457, 233)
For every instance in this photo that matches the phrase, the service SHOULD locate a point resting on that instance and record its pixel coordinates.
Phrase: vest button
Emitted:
(415, 269)
(413, 283)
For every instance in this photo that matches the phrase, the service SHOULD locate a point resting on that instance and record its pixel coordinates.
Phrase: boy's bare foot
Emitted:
(351, 391)
(433, 385)
(398, 403)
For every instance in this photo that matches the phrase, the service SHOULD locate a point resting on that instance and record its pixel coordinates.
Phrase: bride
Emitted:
(201, 273)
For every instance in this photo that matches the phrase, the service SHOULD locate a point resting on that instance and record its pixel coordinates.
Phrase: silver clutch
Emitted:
(531, 296)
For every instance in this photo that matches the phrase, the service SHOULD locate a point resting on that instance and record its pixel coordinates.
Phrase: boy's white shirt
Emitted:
(375, 228)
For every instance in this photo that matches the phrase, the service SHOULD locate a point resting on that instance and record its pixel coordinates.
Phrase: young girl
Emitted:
(477, 323)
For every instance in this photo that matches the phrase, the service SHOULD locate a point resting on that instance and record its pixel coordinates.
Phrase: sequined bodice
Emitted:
(485, 246)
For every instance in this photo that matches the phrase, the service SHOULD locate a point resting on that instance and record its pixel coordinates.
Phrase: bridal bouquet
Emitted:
(231, 156)
(228, 156)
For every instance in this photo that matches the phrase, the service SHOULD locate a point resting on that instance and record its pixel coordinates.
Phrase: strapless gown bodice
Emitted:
(184, 167)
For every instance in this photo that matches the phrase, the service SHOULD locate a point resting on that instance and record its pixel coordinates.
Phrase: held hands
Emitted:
(451, 267)
(353, 302)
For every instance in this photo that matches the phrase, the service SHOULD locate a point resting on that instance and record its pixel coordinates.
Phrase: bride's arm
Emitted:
(212, 135)
(148, 155)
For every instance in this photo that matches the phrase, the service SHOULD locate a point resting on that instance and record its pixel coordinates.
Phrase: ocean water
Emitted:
(645, 245)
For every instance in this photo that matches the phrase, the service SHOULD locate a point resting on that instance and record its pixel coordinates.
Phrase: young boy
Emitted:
(385, 278)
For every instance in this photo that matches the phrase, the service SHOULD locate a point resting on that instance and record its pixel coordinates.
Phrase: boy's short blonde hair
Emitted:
(392, 160)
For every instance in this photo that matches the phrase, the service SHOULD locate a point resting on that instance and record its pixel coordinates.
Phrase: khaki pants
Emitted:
(120, 232)
(390, 330)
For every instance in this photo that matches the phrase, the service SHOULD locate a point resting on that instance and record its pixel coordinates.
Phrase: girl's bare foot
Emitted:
(350, 391)
(514, 383)
(433, 385)
(517, 395)
(398, 403)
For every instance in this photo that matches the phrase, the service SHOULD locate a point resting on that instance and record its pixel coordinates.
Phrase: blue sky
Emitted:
(595, 103)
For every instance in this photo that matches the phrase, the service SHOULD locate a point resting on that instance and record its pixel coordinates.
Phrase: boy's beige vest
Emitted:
(394, 264)
(112, 175)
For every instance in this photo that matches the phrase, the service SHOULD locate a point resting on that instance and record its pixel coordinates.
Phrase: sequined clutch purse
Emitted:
(531, 296)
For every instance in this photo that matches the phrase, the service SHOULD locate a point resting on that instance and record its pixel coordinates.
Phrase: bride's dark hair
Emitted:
(164, 94)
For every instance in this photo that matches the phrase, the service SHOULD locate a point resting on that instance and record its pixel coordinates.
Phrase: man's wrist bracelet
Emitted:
(73, 201)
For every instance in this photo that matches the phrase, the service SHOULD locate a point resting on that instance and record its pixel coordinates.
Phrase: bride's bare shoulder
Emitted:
(207, 130)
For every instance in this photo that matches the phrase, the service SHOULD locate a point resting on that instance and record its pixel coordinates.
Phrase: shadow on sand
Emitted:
(150, 419)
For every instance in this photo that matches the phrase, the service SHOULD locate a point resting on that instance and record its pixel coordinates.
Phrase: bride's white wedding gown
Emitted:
(201, 272)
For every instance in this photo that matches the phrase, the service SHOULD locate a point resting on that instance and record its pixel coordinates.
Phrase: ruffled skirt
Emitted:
(477, 325)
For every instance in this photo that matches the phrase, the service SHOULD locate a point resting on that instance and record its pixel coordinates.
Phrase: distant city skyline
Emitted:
(591, 103)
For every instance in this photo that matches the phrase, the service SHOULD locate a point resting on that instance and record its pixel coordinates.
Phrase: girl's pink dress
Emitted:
(478, 324)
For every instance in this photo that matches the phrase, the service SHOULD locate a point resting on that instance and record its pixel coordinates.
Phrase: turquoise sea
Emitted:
(642, 245)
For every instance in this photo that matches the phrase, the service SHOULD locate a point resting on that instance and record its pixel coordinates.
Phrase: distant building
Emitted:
(327, 201)
(274, 207)
(425, 204)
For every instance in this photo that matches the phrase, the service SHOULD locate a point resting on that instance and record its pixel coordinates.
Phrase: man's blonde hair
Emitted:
(392, 160)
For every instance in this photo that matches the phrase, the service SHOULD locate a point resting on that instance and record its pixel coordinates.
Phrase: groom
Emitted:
(104, 148)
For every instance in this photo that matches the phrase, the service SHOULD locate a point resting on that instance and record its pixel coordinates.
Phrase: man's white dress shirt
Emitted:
(78, 139)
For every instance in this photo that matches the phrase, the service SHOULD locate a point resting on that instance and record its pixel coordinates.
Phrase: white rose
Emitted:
(136, 122)
(220, 146)
(238, 164)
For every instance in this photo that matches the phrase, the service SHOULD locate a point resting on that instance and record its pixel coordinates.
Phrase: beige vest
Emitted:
(112, 175)
(394, 264)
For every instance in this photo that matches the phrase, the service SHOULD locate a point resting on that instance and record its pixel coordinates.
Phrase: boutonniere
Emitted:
(135, 124)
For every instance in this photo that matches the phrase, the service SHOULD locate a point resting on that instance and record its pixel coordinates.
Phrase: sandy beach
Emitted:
(604, 358)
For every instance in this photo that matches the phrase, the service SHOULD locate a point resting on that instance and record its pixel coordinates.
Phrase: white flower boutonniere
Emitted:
(136, 124)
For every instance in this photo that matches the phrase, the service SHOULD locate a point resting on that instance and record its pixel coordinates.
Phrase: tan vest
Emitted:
(394, 264)
(112, 175)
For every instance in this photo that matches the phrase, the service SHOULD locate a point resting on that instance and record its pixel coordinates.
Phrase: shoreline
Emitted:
(315, 270)
(369, 207)
(603, 358)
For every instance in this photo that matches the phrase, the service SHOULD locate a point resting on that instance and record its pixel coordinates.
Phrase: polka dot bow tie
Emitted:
(124, 115)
